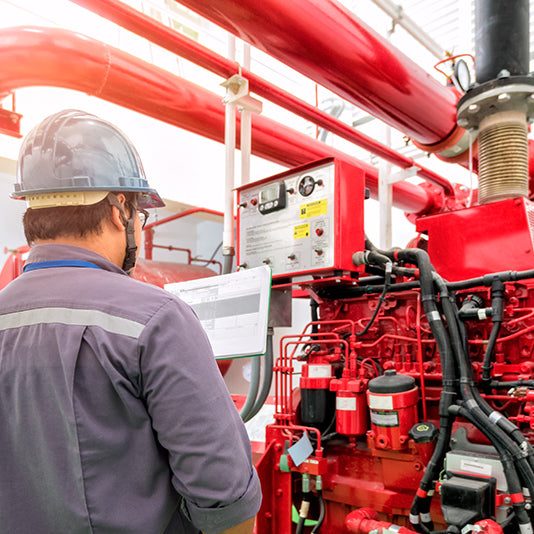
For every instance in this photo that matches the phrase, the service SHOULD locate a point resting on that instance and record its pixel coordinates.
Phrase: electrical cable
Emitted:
(486, 280)
(322, 513)
(300, 525)
(422, 500)
(370, 257)
(514, 485)
(215, 251)
(305, 504)
(267, 377)
(255, 368)
(511, 460)
(381, 300)
(494, 417)
(512, 456)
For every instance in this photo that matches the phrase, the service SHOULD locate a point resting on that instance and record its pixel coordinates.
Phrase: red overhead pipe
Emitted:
(326, 42)
(33, 56)
(167, 38)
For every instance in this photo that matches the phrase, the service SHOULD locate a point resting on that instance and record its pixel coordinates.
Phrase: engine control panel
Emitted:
(308, 220)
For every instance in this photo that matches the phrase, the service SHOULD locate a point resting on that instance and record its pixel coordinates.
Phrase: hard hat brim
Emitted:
(148, 198)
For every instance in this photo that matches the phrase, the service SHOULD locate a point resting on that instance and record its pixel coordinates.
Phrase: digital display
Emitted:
(270, 193)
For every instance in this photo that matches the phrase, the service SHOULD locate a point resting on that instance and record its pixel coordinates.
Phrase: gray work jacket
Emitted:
(114, 418)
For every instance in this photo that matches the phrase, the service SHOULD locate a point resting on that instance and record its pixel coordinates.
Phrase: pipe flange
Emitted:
(506, 94)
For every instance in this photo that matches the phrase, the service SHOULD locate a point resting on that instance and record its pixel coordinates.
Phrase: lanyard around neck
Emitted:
(59, 263)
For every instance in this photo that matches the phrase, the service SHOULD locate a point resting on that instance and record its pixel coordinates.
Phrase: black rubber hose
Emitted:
(497, 304)
(487, 280)
(421, 504)
(300, 525)
(512, 480)
(486, 365)
(466, 373)
(477, 407)
(314, 312)
(322, 513)
(341, 293)
(495, 384)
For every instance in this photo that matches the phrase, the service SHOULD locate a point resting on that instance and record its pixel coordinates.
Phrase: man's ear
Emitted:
(116, 216)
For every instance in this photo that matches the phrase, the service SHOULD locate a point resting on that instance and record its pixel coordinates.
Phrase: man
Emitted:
(114, 416)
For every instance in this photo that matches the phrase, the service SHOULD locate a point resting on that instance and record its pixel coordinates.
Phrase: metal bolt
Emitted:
(504, 74)
(473, 108)
(463, 123)
(528, 506)
(531, 97)
(507, 500)
(503, 98)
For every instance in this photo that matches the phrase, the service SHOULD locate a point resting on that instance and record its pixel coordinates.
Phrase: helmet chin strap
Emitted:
(130, 255)
(131, 248)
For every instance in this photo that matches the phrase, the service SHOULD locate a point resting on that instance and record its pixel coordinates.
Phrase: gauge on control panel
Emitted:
(272, 198)
(306, 186)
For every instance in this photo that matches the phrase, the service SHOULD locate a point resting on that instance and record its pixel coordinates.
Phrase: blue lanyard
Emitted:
(59, 263)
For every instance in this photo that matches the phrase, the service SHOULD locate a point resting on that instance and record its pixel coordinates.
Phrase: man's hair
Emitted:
(75, 221)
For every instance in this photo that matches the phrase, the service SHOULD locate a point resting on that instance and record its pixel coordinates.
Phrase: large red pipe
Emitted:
(32, 56)
(326, 42)
(167, 38)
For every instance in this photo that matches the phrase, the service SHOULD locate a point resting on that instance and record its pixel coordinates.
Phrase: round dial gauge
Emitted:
(306, 186)
(462, 75)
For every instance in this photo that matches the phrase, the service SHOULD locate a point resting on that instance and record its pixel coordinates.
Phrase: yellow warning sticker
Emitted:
(319, 207)
(301, 230)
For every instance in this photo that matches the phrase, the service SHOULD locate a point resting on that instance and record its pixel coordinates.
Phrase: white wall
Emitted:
(11, 211)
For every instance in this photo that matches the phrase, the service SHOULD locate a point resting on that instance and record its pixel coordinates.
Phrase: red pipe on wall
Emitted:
(33, 56)
(171, 40)
(326, 42)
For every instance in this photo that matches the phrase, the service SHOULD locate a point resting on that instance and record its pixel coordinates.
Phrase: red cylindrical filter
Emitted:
(351, 406)
(393, 405)
(316, 400)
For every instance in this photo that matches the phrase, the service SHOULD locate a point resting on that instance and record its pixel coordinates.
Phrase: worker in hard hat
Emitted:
(114, 416)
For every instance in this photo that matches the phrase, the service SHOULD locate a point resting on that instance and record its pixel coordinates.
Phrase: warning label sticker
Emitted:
(301, 230)
(319, 207)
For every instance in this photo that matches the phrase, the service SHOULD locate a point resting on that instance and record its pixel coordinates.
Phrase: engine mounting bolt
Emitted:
(507, 500)
(528, 506)
(473, 108)
(504, 74)
(503, 98)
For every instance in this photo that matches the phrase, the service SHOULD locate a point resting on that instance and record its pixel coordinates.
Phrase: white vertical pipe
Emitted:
(229, 171)
(229, 142)
(246, 128)
(385, 199)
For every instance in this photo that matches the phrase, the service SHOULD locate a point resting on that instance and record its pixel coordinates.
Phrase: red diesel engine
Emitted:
(406, 404)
